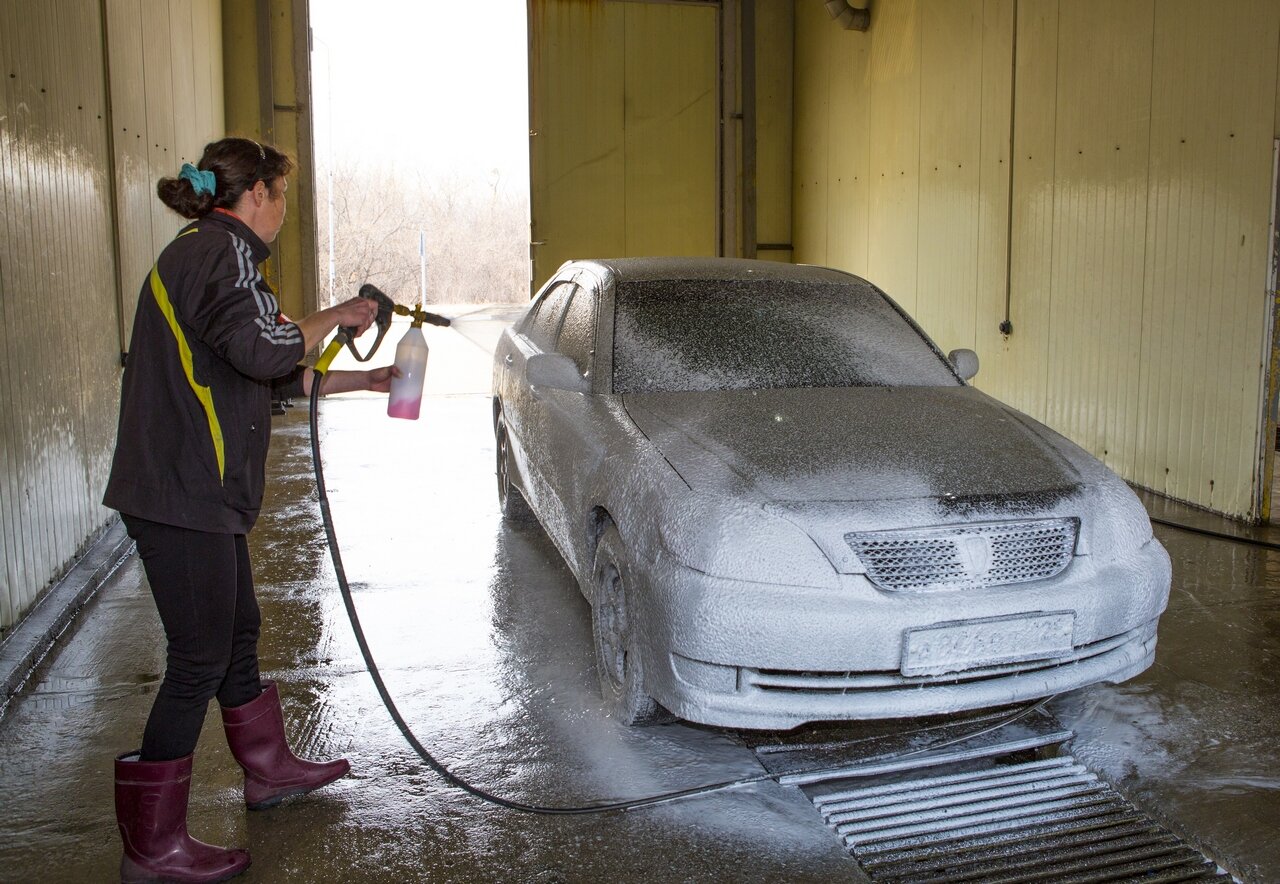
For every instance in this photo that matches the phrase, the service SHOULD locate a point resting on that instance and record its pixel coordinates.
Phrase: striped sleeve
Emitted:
(238, 316)
(269, 320)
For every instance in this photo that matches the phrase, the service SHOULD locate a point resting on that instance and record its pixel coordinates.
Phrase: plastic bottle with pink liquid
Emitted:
(411, 358)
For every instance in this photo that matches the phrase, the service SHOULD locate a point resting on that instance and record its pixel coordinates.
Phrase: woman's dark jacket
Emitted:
(209, 343)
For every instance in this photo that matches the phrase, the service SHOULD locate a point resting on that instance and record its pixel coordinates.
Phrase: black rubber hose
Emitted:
(1221, 535)
(455, 780)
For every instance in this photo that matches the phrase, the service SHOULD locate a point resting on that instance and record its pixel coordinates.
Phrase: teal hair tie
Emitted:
(201, 182)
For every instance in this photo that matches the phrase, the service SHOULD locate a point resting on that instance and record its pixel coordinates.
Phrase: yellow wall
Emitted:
(60, 366)
(623, 106)
(1136, 236)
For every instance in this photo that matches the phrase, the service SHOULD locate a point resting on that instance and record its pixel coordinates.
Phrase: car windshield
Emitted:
(710, 334)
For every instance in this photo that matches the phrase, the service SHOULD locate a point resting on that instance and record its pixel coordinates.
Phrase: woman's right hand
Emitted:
(358, 313)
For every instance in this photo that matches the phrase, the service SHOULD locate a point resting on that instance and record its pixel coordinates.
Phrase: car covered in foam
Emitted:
(784, 504)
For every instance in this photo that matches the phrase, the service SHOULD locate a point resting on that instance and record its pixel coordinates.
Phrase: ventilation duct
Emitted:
(849, 17)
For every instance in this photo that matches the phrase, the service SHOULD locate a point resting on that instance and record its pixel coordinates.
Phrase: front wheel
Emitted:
(619, 664)
(510, 501)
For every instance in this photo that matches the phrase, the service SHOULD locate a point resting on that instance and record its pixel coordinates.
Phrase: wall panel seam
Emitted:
(1145, 305)
(919, 59)
(111, 180)
(16, 541)
(146, 116)
(83, 514)
(977, 204)
(1053, 207)
(827, 68)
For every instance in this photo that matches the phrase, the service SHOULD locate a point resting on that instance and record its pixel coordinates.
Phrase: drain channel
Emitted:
(1048, 820)
(1006, 808)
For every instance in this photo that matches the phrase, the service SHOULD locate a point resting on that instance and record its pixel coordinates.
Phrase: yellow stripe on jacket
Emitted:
(184, 353)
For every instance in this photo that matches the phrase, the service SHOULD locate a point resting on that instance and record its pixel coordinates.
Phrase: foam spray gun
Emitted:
(411, 353)
(411, 360)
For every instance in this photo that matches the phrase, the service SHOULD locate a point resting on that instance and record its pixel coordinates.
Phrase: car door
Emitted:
(574, 421)
(522, 408)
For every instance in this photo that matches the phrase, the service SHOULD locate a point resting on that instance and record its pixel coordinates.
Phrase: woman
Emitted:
(209, 346)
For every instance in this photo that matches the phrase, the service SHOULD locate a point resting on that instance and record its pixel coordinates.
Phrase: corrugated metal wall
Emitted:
(61, 354)
(166, 99)
(60, 370)
(623, 107)
(1134, 237)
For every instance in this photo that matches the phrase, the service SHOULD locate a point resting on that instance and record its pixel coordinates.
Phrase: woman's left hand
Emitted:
(379, 379)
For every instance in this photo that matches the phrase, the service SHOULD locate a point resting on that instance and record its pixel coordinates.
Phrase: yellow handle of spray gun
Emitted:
(330, 353)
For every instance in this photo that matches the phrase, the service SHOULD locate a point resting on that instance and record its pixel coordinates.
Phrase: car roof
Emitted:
(644, 269)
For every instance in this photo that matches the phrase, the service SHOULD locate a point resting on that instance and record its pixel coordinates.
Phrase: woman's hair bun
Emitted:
(179, 195)
(237, 164)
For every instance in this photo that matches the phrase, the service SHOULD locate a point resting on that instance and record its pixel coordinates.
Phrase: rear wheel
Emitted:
(510, 501)
(619, 664)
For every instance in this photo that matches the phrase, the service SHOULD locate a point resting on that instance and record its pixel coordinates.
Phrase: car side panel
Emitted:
(525, 415)
(597, 457)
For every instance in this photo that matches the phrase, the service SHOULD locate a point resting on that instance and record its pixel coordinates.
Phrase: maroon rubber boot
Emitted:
(255, 733)
(151, 811)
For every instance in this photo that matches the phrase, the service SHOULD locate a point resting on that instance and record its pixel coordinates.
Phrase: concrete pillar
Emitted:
(267, 88)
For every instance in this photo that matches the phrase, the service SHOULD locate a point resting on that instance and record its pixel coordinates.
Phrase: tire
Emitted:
(619, 664)
(511, 502)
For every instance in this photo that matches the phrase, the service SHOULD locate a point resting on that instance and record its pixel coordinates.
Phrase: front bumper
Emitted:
(740, 654)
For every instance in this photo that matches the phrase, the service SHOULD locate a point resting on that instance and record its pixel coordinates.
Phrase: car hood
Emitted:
(953, 445)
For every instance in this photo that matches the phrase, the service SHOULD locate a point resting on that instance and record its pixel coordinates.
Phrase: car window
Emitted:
(543, 326)
(710, 334)
(578, 334)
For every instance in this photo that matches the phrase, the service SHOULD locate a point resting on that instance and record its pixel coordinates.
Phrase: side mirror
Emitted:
(556, 371)
(965, 361)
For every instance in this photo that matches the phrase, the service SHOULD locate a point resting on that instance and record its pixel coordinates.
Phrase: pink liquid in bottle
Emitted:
(405, 400)
(405, 408)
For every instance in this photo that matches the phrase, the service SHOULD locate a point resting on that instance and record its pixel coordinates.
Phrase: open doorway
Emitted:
(421, 146)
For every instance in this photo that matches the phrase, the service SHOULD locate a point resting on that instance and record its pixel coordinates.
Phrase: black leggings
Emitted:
(203, 587)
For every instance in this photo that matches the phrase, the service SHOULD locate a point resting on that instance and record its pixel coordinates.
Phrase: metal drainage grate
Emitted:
(1046, 820)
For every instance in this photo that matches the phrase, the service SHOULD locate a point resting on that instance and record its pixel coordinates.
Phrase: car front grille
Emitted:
(965, 556)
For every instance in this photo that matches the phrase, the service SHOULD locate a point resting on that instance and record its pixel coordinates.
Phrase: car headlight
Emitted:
(1117, 521)
(740, 541)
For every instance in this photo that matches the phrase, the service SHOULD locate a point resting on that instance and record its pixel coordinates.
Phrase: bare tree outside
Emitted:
(476, 234)
(422, 130)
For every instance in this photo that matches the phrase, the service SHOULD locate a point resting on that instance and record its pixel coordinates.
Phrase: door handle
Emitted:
(507, 359)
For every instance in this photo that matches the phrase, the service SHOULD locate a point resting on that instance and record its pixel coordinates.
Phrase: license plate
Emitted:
(971, 644)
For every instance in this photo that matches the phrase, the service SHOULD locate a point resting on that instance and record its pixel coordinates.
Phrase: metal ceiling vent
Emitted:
(851, 18)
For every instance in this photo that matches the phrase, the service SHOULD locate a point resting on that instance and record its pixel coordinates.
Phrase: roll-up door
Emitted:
(623, 136)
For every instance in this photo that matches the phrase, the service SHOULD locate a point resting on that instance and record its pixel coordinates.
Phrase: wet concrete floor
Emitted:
(485, 642)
